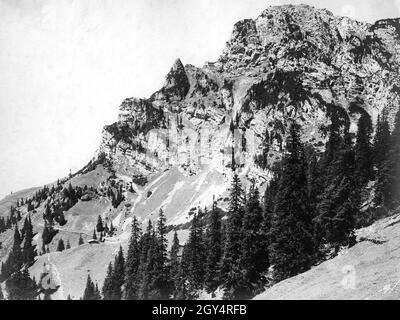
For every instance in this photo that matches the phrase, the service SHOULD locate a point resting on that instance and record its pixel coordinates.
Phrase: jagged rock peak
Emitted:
(176, 76)
(178, 66)
(176, 84)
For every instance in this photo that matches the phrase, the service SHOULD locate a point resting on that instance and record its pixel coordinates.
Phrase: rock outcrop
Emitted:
(291, 63)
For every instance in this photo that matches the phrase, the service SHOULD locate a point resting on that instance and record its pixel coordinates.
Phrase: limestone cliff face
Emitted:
(291, 63)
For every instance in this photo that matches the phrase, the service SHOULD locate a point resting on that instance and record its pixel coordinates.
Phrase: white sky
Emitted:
(65, 66)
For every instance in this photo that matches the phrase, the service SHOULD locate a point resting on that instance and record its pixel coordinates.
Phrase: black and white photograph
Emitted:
(197, 150)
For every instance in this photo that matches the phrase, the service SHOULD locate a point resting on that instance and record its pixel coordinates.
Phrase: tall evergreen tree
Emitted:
(193, 256)
(118, 274)
(132, 263)
(381, 147)
(292, 248)
(80, 241)
(175, 265)
(26, 226)
(99, 225)
(90, 290)
(381, 141)
(29, 250)
(363, 151)
(108, 286)
(339, 203)
(392, 199)
(160, 286)
(214, 250)
(262, 159)
(252, 261)
(15, 259)
(2, 225)
(268, 211)
(233, 241)
(97, 295)
(146, 262)
(60, 245)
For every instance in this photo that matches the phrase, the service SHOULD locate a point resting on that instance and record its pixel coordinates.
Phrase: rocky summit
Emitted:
(175, 150)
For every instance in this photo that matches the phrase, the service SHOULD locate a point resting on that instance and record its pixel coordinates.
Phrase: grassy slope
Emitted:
(171, 190)
(11, 199)
(71, 267)
(374, 264)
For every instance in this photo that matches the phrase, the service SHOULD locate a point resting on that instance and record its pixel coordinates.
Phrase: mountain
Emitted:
(176, 149)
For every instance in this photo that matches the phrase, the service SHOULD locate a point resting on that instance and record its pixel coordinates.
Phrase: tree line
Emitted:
(308, 212)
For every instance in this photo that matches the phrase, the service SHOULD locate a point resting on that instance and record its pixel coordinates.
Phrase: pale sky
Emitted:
(66, 65)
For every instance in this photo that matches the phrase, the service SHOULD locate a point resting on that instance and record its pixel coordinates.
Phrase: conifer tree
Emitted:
(262, 159)
(132, 263)
(1, 294)
(111, 229)
(61, 219)
(29, 250)
(392, 198)
(15, 259)
(363, 151)
(381, 148)
(2, 225)
(332, 146)
(214, 250)
(80, 241)
(252, 261)
(313, 175)
(175, 265)
(150, 290)
(315, 188)
(68, 246)
(99, 225)
(339, 203)
(193, 256)
(108, 286)
(268, 211)
(97, 295)
(48, 233)
(60, 245)
(24, 227)
(146, 262)
(118, 275)
(292, 249)
(233, 241)
(233, 161)
(94, 237)
(8, 223)
(381, 141)
(160, 286)
(90, 290)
